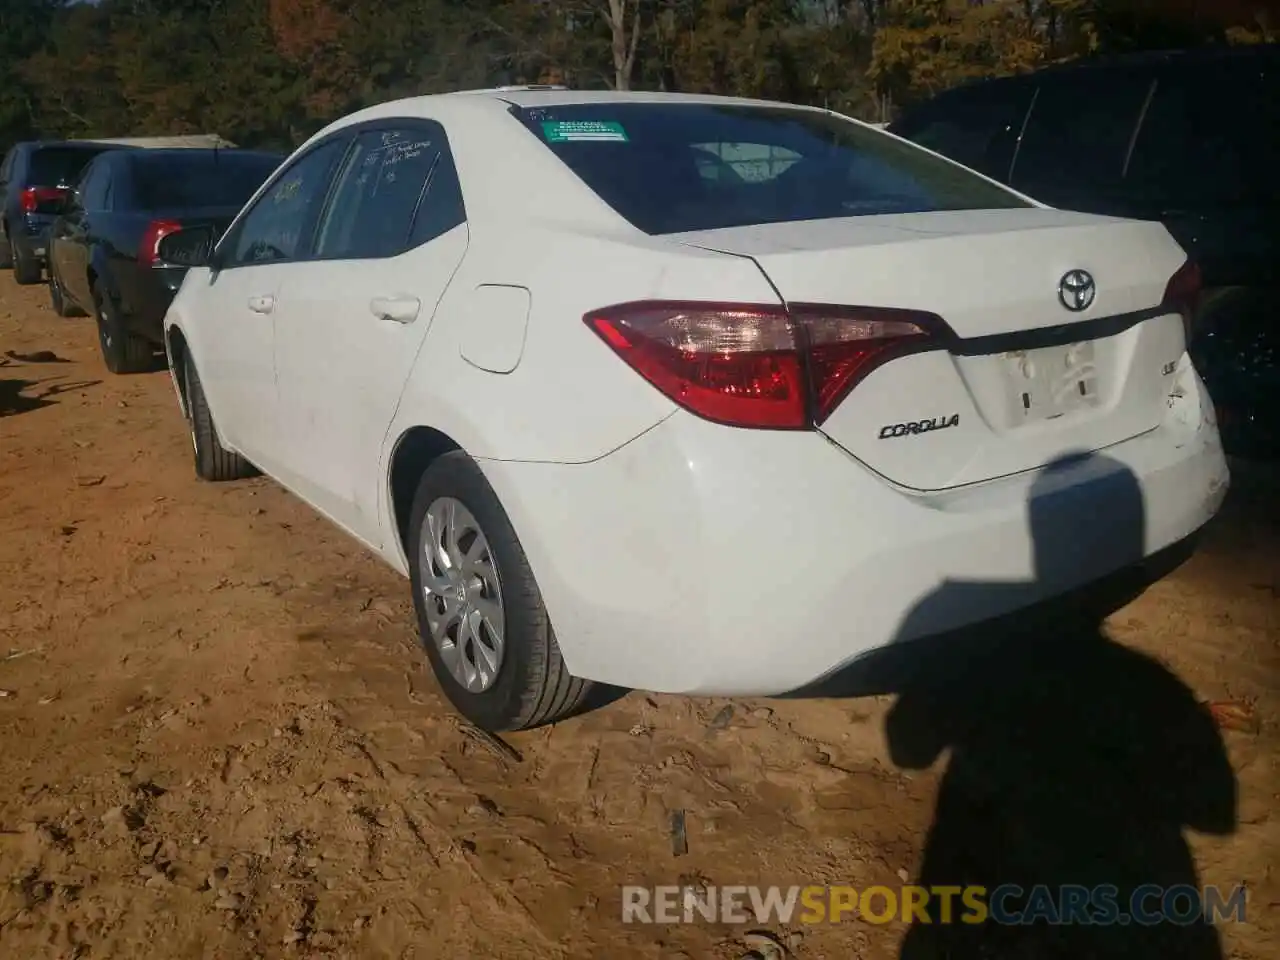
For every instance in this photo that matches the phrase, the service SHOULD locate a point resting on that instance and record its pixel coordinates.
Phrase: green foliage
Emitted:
(271, 72)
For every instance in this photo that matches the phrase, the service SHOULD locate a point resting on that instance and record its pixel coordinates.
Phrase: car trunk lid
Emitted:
(1022, 378)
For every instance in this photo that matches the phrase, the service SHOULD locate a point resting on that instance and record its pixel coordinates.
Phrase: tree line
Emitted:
(270, 72)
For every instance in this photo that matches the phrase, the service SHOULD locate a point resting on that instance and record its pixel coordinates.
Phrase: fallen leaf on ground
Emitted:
(1234, 715)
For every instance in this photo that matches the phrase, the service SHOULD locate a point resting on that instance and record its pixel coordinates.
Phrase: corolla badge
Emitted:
(1076, 290)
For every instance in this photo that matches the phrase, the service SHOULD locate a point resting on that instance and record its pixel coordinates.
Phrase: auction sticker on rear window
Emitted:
(570, 131)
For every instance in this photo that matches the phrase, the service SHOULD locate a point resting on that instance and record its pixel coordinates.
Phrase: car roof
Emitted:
(1142, 59)
(171, 152)
(498, 159)
(534, 96)
(33, 145)
(462, 101)
(1212, 53)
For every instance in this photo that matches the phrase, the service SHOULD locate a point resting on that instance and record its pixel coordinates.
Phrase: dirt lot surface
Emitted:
(218, 739)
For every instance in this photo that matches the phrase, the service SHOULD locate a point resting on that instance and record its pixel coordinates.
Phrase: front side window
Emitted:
(278, 226)
(378, 192)
(676, 167)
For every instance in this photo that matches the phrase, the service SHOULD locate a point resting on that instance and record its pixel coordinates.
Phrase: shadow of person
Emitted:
(1073, 760)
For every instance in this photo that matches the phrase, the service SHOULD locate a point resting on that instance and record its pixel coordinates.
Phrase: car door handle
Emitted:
(262, 304)
(398, 309)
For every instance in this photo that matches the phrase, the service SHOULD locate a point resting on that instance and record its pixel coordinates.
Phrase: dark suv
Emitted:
(1190, 138)
(35, 178)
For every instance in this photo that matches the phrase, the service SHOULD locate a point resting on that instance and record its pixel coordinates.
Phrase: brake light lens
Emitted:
(149, 247)
(761, 366)
(1182, 294)
(32, 198)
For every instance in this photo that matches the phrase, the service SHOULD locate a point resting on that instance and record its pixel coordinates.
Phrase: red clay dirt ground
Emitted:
(218, 738)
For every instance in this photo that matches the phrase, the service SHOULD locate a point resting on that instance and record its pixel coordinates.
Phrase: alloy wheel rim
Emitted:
(462, 595)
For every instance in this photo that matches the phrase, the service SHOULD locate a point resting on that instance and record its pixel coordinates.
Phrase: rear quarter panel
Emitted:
(569, 399)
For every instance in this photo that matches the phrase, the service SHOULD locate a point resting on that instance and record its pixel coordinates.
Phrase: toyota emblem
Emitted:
(1076, 290)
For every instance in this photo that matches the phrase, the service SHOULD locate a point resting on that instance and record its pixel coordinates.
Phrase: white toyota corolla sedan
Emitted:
(682, 393)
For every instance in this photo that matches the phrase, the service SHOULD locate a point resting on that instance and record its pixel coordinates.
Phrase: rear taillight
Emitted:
(149, 248)
(1182, 294)
(33, 197)
(762, 366)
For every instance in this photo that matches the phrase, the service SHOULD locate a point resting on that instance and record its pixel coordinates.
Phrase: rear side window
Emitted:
(978, 126)
(91, 193)
(378, 192)
(59, 166)
(1078, 133)
(198, 179)
(671, 168)
(1211, 135)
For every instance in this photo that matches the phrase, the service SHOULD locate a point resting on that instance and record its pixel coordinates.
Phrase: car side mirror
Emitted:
(192, 247)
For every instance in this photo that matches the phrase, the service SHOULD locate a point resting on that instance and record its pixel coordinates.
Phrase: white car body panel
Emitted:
(645, 526)
(715, 564)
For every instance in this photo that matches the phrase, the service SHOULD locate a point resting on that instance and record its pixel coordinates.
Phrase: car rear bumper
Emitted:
(710, 560)
(148, 293)
(31, 247)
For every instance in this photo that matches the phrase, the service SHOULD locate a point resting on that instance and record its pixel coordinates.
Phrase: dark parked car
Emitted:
(104, 249)
(1190, 138)
(35, 178)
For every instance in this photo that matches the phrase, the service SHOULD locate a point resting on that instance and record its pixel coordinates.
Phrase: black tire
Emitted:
(532, 686)
(122, 351)
(58, 297)
(27, 270)
(213, 461)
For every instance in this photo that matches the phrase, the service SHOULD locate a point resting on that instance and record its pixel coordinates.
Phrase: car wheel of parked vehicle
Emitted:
(58, 298)
(26, 270)
(213, 461)
(480, 614)
(122, 351)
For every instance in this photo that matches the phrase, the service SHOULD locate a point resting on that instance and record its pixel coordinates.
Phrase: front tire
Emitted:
(213, 461)
(480, 614)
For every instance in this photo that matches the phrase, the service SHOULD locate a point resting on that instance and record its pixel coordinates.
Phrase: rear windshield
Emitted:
(670, 168)
(199, 178)
(59, 166)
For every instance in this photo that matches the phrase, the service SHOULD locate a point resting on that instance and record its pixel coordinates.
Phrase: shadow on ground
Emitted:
(14, 396)
(1073, 761)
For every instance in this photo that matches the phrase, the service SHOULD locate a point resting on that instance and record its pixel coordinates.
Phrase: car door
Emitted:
(72, 234)
(353, 318)
(232, 340)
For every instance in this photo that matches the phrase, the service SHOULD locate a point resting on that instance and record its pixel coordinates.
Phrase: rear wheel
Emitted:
(122, 351)
(27, 270)
(480, 613)
(58, 297)
(213, 461)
